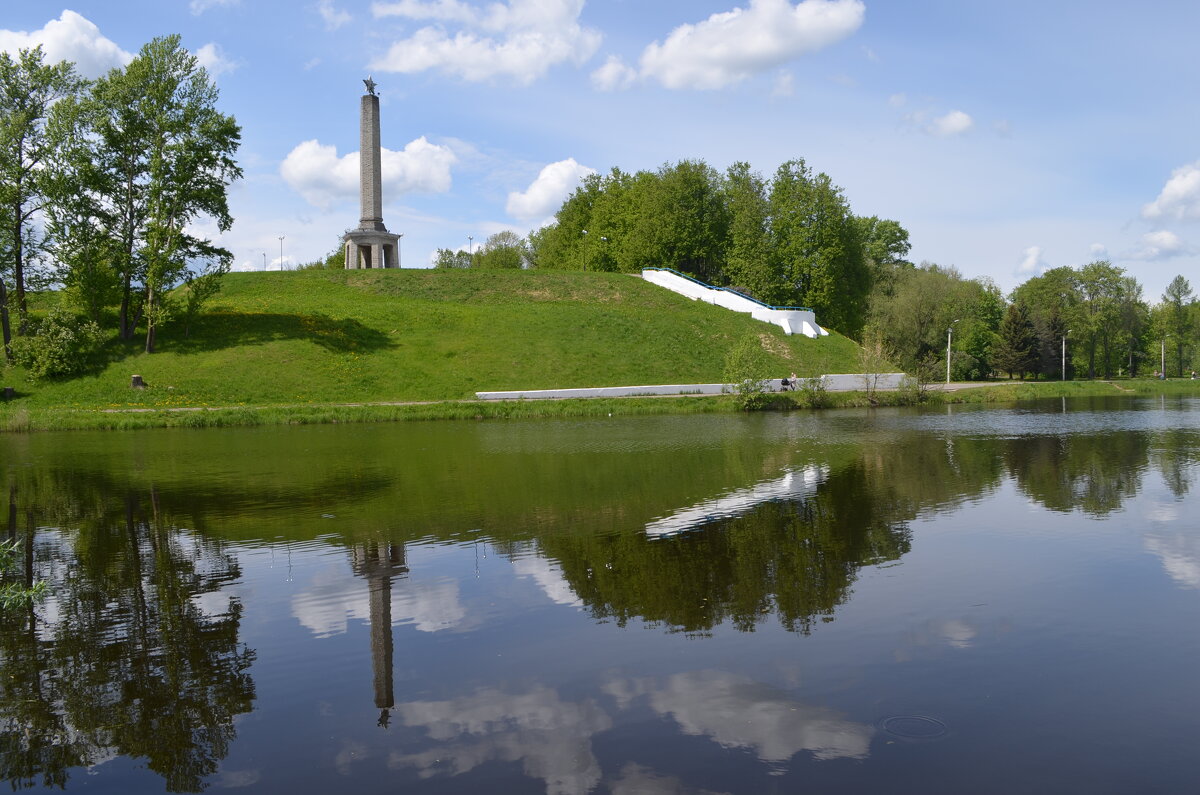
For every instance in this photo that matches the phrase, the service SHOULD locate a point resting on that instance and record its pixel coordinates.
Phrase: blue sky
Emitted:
(1007, 137)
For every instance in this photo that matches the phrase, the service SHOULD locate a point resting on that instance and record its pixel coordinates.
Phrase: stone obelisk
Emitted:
(370, 245)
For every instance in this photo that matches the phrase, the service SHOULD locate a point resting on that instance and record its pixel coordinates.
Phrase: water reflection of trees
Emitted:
(1175, 455)
(135, 653)
(1092, 473)
(796, 559)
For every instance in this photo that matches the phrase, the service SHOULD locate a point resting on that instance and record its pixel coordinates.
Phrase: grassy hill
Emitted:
(314, 337)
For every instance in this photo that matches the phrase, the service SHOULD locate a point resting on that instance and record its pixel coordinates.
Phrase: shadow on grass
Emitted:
(219, 330)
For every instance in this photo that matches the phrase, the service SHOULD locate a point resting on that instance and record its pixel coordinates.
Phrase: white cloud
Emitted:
(738, 712)
(1180, 197)
(317, 173)
(71, 37)
(953, 123)
(728, 47)
(1032, 263)
(551, 738)
(614, 75)
(1098, 251)
(520, 40)
(546, 193)
(330, 601)
(638, 780)
(198, 7)
(438, 10)
(334, 17)
(897, 100)
(1179, 553)
(549, 578)
(1158, 245)
(957, 633)
(212, 58)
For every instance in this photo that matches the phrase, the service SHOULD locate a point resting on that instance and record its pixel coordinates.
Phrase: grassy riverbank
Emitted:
(321, 337)
(20, 419)
(370, 346)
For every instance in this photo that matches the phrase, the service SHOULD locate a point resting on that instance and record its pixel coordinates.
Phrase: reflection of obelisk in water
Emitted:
(371, 245)
(378, 563)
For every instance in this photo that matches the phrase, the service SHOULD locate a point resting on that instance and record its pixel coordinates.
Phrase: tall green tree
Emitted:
(28, 89)
(748, 262)
(680, 221)
(588, 227)
(923, 304)
(885, 250)
(162, 155)
(80, 241)
(1133, 323)
(1177, 304)
(1051, 334)
(1054, 303)
(817, 243)
(1016, 349)
(1101, 289)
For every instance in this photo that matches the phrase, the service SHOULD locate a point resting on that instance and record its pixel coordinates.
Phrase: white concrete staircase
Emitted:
(792, 319)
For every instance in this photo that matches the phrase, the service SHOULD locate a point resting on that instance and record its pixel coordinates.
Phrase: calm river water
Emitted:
(935, 601)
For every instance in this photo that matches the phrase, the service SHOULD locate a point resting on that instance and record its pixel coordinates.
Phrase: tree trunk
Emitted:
(17, 238)
(150, 320)
(127, 328)
(18, 260)
(126, 331)
(7, 331)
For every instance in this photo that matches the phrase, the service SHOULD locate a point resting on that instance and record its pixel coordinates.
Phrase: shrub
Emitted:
(746, 368)
(813, 392)
(58, 346)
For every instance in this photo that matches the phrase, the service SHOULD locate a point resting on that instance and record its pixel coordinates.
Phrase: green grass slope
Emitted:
(413, 335)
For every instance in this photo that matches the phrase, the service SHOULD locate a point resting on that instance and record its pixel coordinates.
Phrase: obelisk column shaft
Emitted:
(370, 169)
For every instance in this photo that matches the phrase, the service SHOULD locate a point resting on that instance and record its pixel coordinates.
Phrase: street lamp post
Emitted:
(399, 237)
(281, 252)
(1064, 355)
(264, 260)
(949, 335)
(471, 244)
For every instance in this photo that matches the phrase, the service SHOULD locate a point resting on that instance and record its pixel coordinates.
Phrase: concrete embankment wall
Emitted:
(842, 382)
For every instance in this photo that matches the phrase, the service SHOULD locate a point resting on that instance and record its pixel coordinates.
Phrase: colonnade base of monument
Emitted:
(372, 250)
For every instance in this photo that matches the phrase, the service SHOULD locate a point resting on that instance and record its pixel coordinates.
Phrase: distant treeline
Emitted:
(793, 240)
(788, 241)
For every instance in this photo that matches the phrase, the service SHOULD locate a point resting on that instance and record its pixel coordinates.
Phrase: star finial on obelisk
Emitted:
(370, 84)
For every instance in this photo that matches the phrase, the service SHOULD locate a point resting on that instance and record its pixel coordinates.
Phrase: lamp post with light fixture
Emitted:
(1064, 354)
(949, 335)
